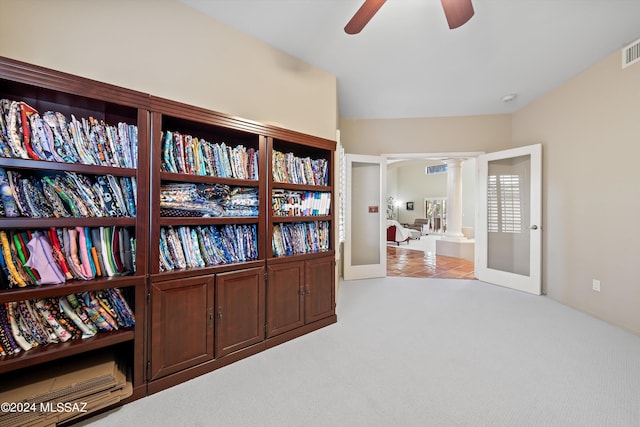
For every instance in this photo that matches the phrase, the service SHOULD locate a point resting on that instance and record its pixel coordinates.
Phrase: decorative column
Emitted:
(454, 199)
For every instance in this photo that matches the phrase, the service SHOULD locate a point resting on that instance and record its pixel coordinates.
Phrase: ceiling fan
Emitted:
(458, 12)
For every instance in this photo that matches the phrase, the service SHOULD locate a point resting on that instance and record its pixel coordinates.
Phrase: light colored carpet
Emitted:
(420, 352)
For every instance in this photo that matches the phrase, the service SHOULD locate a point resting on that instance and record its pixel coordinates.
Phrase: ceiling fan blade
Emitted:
(363, 15)
(458, 12)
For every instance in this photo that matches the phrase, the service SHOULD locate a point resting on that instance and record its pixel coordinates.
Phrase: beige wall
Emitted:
(591, 200)
(167, 49)
(414, 186)
(426, 135)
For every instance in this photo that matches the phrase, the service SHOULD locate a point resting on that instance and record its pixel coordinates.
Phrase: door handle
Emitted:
(534, 227)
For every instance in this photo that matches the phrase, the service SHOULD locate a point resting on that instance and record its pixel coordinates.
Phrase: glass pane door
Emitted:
(509, 232)
(508, 214)
(365, 246)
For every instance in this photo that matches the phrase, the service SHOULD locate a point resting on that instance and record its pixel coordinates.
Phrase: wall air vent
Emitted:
(631, 54)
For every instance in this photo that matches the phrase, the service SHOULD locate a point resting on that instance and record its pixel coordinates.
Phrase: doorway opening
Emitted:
(418, 191)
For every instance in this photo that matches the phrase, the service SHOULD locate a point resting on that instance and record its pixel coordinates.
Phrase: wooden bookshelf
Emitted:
(189, 321)
(50, 90)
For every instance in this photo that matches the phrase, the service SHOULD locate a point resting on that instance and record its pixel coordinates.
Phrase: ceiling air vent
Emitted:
(631, 54)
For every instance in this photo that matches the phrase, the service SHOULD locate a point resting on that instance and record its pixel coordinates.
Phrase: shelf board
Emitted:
(23, 222)
(301, 187)
(49, 352)
(70, 287)
(190, 272)
(206, 179)
(65, 167)
(165, 221)
(301, 218)
(299, 257)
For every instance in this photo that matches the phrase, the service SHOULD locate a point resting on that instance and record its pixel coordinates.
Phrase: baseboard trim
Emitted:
(298, 332)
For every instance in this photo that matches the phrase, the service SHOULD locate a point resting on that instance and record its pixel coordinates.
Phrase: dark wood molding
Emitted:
(41, 77)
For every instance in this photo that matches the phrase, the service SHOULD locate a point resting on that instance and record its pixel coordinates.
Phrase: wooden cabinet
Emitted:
(240, 297)
(199, 319)
(285, 297)
(182, 325)
(320, 298)
(299, 293)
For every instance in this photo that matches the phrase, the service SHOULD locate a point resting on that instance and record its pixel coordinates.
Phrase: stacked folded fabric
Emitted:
(204, 200)
(68, 194)
(182, 199)
(31, 323)
(40, 257)
(27, 135)
(190, 155)
(300, 238)
(241, 202)
(291, 169)
(197, 247)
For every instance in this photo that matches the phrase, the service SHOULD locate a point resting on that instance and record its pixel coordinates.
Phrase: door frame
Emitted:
(431, 156)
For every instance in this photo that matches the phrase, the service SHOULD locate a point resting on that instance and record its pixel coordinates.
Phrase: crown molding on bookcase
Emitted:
(41, 77)
(202, 115)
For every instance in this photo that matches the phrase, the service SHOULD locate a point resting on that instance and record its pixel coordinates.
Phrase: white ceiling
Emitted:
(408, 63)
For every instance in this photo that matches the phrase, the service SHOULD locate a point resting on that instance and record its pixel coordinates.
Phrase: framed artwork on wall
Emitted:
(409, 206)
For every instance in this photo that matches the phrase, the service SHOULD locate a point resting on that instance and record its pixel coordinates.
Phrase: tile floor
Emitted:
(405, 262)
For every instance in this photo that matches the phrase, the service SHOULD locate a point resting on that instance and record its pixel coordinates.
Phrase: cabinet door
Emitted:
(285, 297)
(319, 288)
(240, 301)
(181, 324)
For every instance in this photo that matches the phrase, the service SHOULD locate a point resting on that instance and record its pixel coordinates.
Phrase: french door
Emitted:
(365, 254)
(509, 229)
